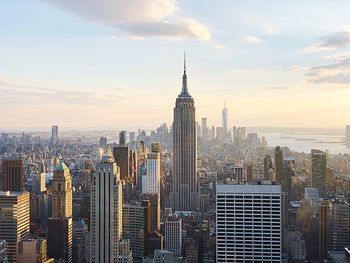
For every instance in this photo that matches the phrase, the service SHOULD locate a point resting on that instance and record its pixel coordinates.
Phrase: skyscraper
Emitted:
(268, 168)
(318, 170)
(153, 173)
(154, 207)
(121, 156)
(122, 138)
(334, 226)
(279, 164)
(136, 227)
(14, 221)
(60, 239)
(61, 192)
(106, 211)
(60, 226)
(173, 234)
(184, 195)
(248, 222)
(12, 175)
(205, 129)
(54, 135)
(347, 136)
(224, 119)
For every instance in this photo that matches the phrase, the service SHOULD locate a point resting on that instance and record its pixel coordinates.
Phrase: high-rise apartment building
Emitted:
(12, 175)
(106, 211)
(54, 135)
(248, 222)
(318, 170)
(136, 227)
(14, 221)
(279, 165)
(184, 195)
(173, 235)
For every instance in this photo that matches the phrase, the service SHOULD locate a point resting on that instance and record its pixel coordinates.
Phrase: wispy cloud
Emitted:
(336, 73)
(39, 94)
(278, 88)
(219, 46)
(298, 68)
(252, 39)
(140, 18)
(333, 41)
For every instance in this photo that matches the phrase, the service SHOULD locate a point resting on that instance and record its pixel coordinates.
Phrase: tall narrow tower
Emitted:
(184, 194)
(224, 119)
(60, 226)
(106, 211)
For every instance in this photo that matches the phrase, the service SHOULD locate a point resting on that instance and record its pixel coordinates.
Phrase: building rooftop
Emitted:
(8, 193)
(61, 167)
(249, 187)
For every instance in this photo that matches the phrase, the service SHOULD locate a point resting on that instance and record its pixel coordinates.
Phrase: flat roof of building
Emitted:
(9, 193)
(251, 187)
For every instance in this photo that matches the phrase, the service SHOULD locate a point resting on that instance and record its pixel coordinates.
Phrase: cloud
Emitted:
(38, 94)
(219, 46)
(336, 73)
(298, 68)
(252, 40)
(333, 41)
(277, 88)
(138, 18)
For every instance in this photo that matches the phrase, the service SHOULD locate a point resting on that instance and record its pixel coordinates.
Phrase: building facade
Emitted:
(14, 221)
(173, 235)
(318, 170)
(106, 211)
(62, 192)
(153, 173)
(248, 222)
(136, 227)
(12, 175)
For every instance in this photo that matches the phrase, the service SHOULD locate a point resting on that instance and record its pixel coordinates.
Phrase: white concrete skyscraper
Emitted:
(153, 173)
(248, 222)
(106, 211)
(184, 195)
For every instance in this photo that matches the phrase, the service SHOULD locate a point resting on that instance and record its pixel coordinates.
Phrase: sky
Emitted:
(118, 63)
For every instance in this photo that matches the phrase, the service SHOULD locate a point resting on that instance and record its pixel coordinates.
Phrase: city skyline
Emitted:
(271, 69)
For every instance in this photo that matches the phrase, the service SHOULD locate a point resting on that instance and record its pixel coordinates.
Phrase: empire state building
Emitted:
(184, 195)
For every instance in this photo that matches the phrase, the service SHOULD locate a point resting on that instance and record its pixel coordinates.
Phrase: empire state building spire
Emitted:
(184, 92)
